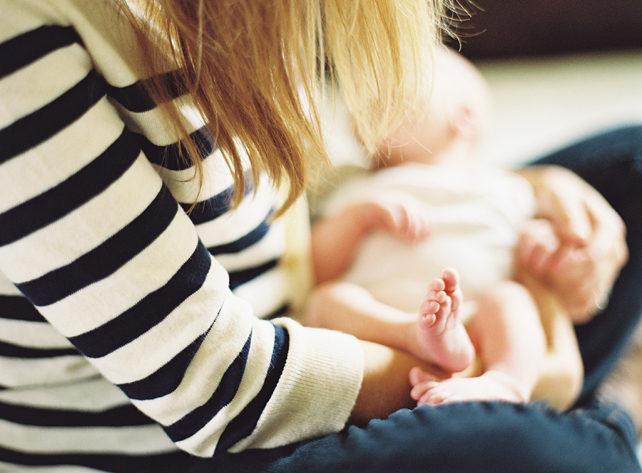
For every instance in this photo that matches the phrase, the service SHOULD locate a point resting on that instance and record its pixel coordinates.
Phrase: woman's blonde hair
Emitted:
(253, 69)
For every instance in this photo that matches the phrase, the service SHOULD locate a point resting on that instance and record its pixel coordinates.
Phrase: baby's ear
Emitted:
(466, 122)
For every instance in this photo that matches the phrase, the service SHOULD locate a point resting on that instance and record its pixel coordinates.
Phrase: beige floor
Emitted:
(543, 103)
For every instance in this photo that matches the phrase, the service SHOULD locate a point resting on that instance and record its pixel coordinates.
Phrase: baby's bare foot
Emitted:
(440, 309)
(440, 337)
(492, 385)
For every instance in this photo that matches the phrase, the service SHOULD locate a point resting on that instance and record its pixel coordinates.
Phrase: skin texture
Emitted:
(568, 260)
(581, 269)
(599, 260)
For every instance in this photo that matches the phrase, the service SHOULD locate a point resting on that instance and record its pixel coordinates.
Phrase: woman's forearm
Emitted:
(385, 387)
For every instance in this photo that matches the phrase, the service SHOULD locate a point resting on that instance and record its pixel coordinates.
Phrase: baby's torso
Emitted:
(475, 212)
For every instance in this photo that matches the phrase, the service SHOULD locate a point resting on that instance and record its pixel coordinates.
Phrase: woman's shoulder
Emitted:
(101, 27)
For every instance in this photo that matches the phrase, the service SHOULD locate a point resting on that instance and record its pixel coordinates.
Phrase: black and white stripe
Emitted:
(116, 282)
(38, 213)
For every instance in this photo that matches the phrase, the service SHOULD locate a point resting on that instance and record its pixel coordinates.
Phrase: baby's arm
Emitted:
(336, 238)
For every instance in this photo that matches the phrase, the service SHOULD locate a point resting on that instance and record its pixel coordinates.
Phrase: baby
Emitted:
(426, 206)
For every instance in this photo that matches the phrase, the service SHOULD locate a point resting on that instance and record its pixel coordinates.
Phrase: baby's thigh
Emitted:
(505, 314)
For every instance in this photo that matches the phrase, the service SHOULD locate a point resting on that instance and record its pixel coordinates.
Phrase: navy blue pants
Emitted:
(495, 436)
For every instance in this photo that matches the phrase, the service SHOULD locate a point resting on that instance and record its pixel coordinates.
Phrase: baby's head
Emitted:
(458, 111)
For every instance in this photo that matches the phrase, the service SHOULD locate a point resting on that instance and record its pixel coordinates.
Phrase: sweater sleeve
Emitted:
(93, 237)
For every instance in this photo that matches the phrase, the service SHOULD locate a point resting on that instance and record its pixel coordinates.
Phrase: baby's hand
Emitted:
(592, 247)
(398, 214)
(537, 244)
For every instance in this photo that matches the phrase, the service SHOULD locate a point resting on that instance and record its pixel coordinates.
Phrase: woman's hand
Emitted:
(582, 260)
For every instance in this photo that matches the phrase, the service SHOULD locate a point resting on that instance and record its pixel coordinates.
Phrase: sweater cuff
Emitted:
(316, 391)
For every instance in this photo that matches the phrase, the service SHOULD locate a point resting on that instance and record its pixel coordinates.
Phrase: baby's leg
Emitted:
(436, 336)
(439, 336)
(562, 373)
(508, 335)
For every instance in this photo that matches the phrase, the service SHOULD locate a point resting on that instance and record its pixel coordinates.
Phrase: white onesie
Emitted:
(475, 211)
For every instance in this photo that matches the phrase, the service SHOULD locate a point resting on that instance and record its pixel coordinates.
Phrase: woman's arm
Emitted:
(96, 239)
(386, 386)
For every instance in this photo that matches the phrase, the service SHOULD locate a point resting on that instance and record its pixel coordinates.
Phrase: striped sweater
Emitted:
(130, 329)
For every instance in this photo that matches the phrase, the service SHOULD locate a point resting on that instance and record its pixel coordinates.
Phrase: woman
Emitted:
(131, 261)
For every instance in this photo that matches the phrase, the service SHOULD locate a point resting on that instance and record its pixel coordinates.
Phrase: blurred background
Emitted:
(558, 69)
(508, 28)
